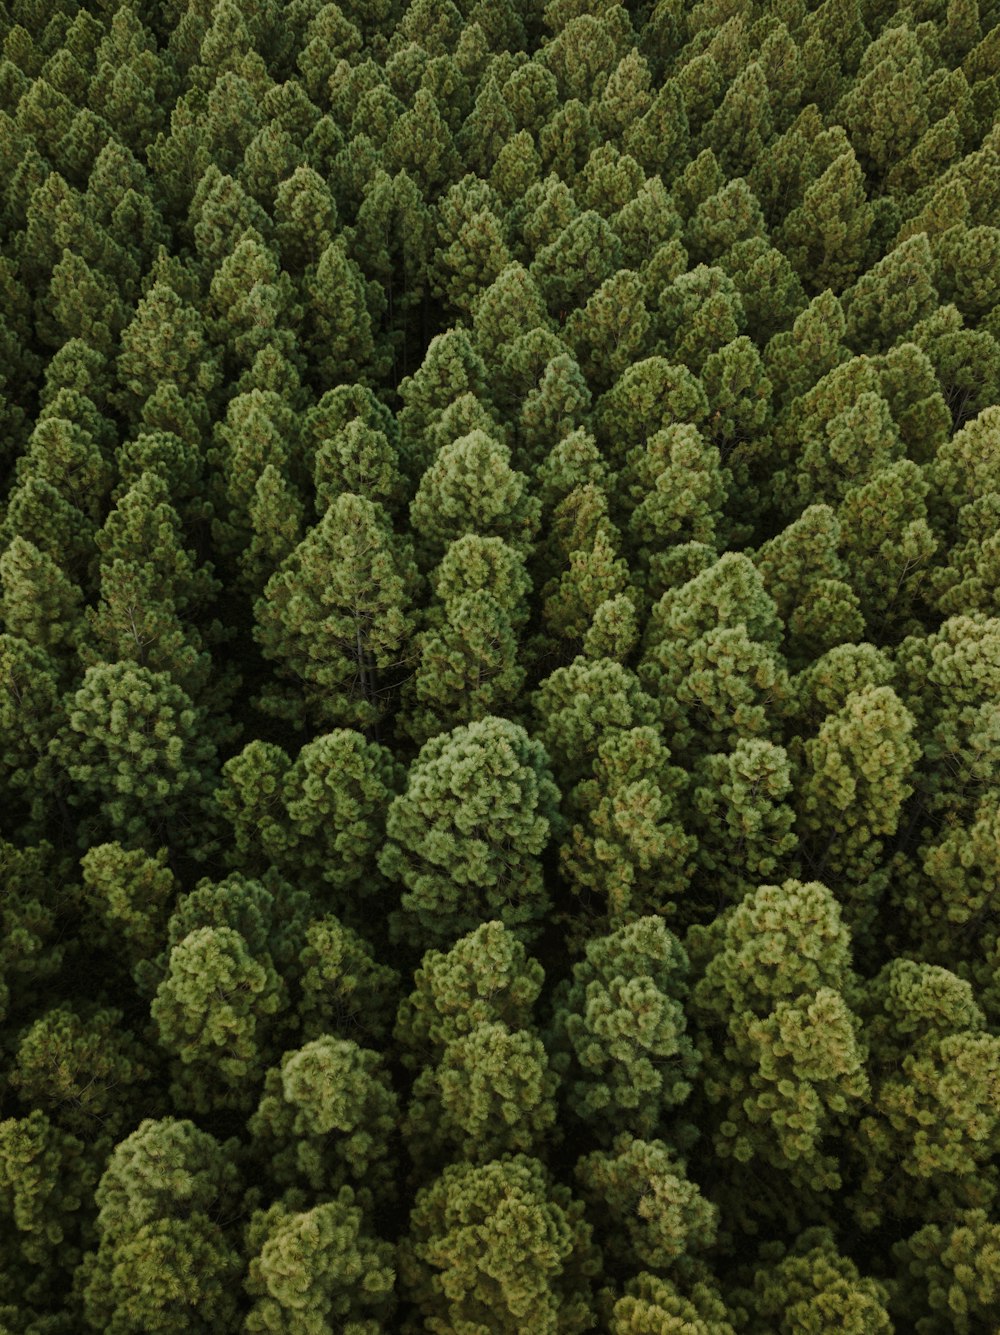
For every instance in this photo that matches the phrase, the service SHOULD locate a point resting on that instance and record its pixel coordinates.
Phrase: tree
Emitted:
(769, 287)
(653, 1213)
(491, 1093)
(811, 1286)
(467, 668)
(659, 140)
(618, 1035)
(887, 546)
(560, 400)
(163, 1262)
(786, 1064)
(39, 603)
(674, 487)
(85, 1070)
(471, 488)
(340, 336)
(742, 124)
(949, 1275)
(576, 262)
(826, 236)
(335, 796)
(743, 823)
(137, 756)
(317, 1267)
(892, 296)
(131, 893)
(612, 331)
(486, 978)
(465, 837)
(807, 577)
(710, 657)
(216, 996)
(496, 1245)
(46, 1176)
(343, 988)
(700, 312)
(852, 794)
(627, 849)
(730, 216)
(650, 1302)
(577, 705)
(650, 395)
(968, 265)
(326, 1119)
(335, 617)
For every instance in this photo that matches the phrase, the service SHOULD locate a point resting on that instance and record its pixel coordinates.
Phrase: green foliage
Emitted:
(312, 1267)
(335, 617)
(619, 1030)
(651, 1211)
(326, 1119)
(496, 1245)
(491, 1093)
(465, 837)
(135, 753)
(811, 1287)
(482, 476)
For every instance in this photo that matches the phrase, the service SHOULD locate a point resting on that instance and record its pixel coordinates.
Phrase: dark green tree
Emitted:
(335, 617)
(465, 838)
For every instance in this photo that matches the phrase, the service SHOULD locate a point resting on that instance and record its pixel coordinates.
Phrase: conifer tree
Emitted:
(465, 838)
(318, 1267)
(136, 755)
(619, 1031)
(335, 797)
(653, 1213)
(491, 1093)
(326, 1119)
(335, 617)
(626, 849)
(499, 1243)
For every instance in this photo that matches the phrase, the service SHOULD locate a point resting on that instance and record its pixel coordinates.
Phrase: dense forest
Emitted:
(499, 667)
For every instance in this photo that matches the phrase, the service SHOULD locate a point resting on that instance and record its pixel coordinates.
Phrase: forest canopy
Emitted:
(499, 667)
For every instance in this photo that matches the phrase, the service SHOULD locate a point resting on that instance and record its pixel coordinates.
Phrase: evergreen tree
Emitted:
(653, 1213)
(471, 488)
(499, 1244)
(335, 617)
(316, 1267)
(136, 755)
(465, 838)
(619, 1031)
(326, 1119)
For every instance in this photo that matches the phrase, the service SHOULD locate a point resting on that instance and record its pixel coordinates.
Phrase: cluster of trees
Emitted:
(499, 666)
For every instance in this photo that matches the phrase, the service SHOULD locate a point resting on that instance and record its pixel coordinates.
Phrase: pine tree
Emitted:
(486, 978)
(216, 995)
(810, 1284)
(136, 755)
(619, 1035)
(499, 1243)
(577, 705)
(340, 336)
(321, 1266)
(491, 1093)
(326, 1119)
(826, 236)
(335, 796)
(741, 818)
(468, 850)
(471, 488)
(852, 793)
(653, 1213)
(626, 849)
(335, 617)
(786, 1064)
